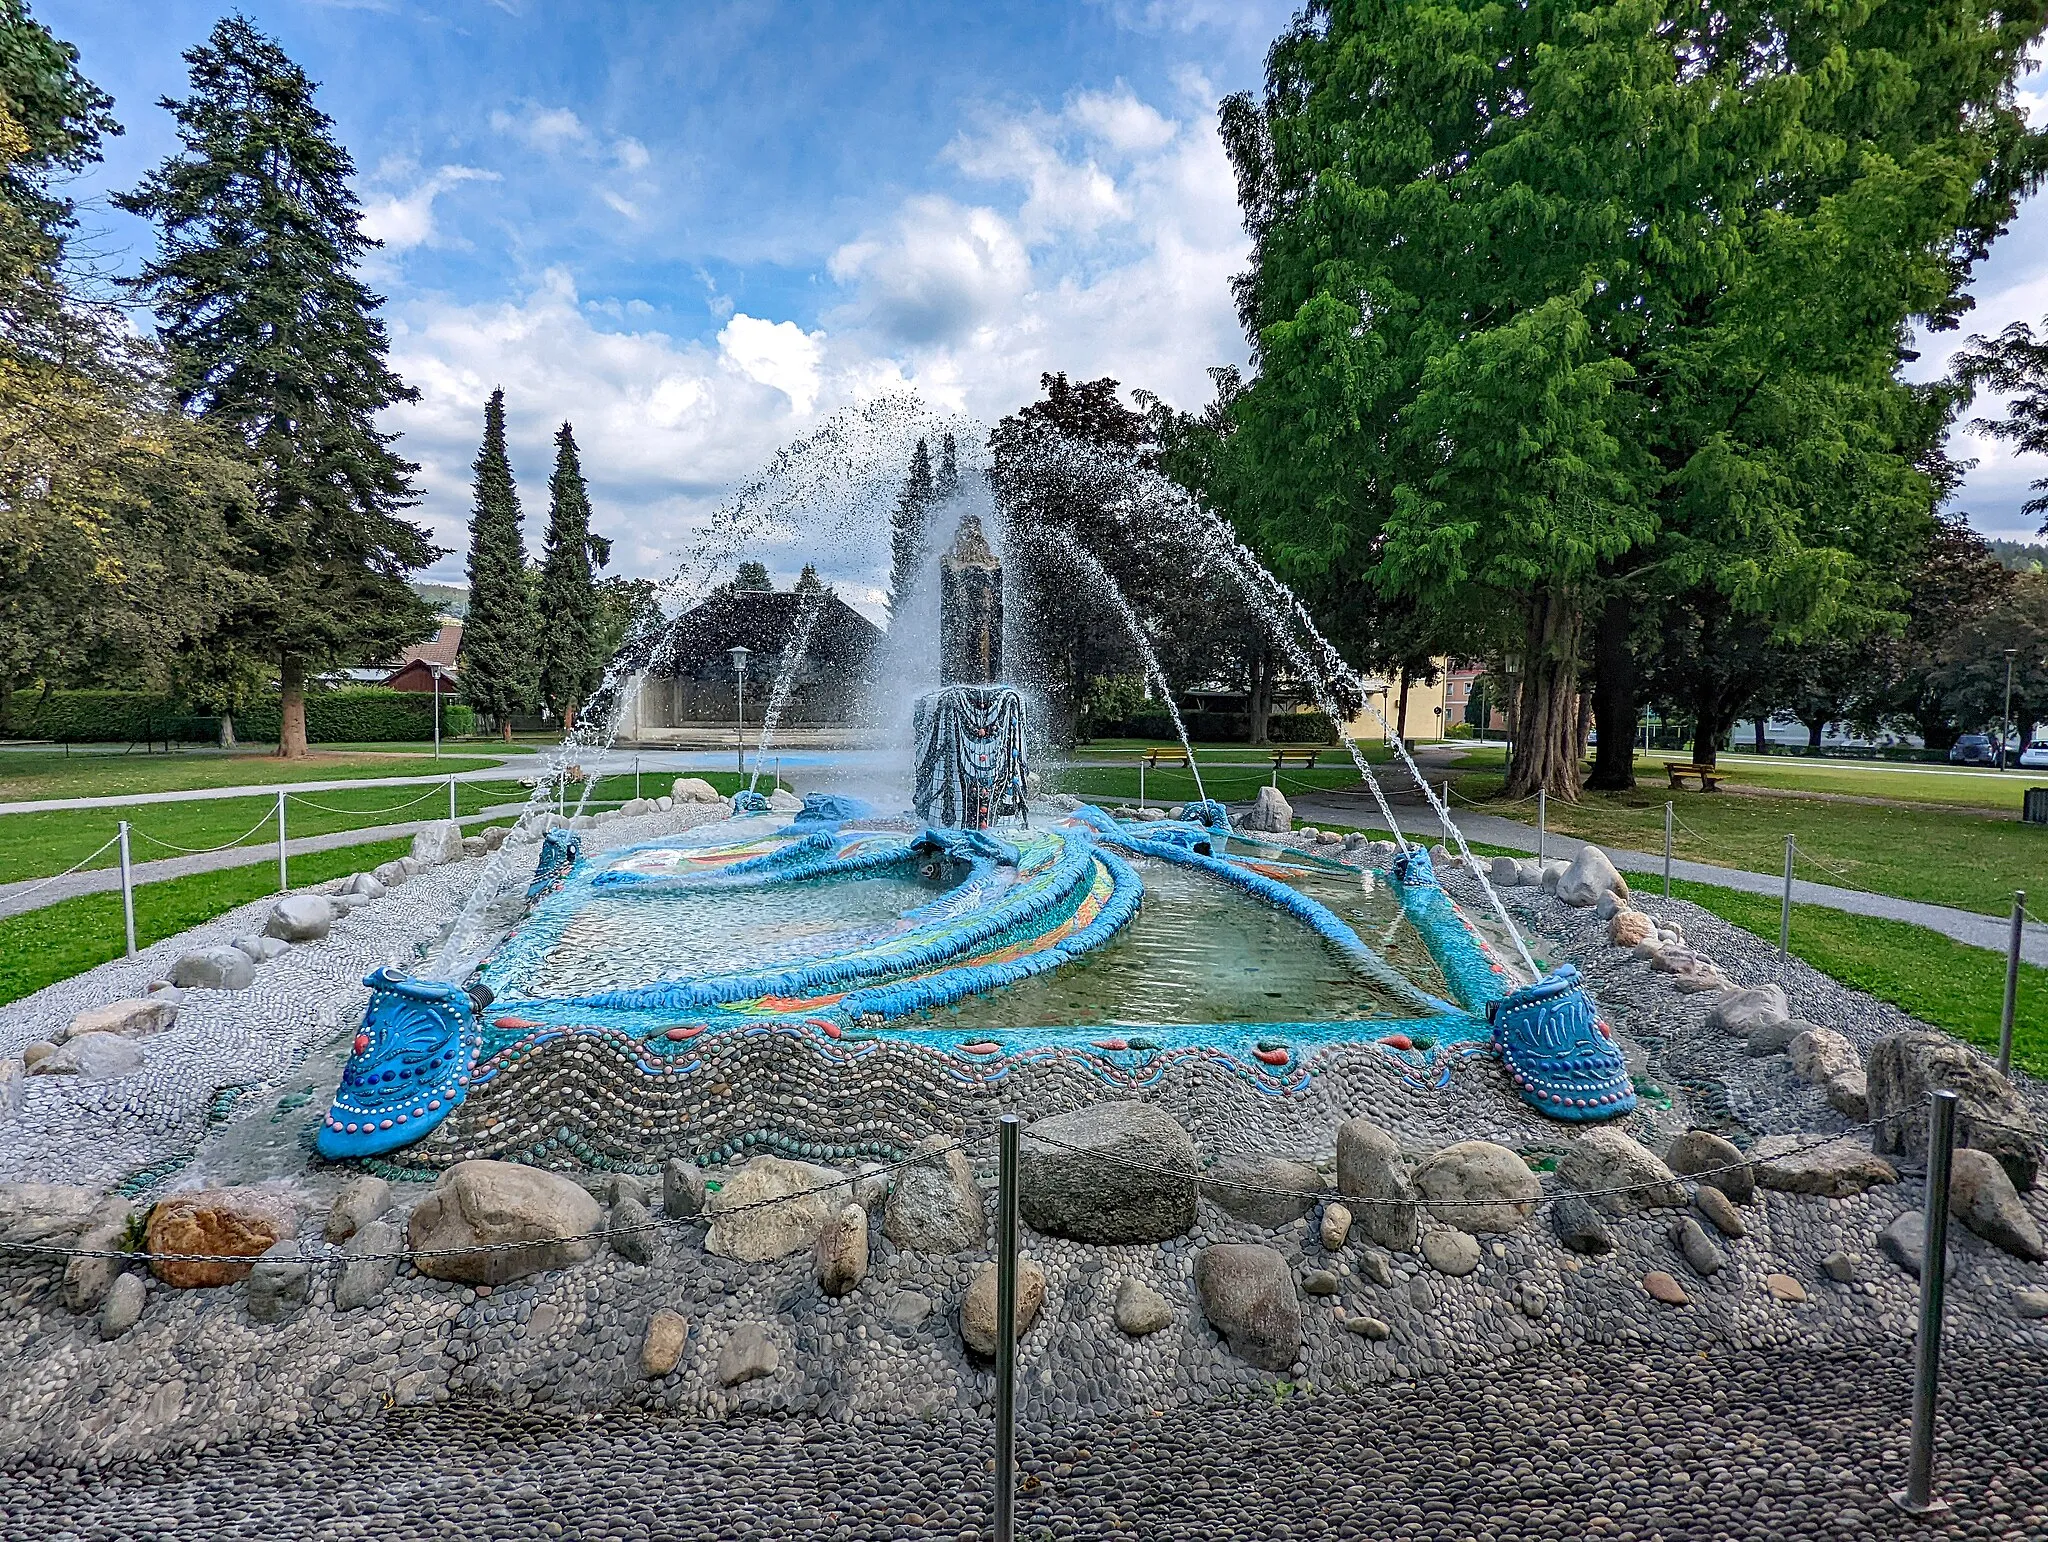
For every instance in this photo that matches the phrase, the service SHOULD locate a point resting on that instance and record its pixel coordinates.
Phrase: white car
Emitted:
(2035, 756)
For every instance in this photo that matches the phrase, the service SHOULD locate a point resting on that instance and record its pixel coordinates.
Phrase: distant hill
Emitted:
(448, 599)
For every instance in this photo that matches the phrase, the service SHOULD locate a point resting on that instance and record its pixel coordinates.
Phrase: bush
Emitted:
(366, 714)
(350, 714)
(1218, 728)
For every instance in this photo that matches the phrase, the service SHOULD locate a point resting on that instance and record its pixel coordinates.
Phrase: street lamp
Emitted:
(739, 669)
(435, 671)
(2005, 718)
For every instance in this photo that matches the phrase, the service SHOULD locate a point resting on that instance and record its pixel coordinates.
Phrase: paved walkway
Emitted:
(1992, 932)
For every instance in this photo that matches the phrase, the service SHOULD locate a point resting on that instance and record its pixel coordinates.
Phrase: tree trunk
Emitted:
(568, 718)
(1614, 697)
(505, 728)
(1259, 700)
(227, 730)
(1813, 735)
(1546, 713)
(1401, 712)
(291, 715)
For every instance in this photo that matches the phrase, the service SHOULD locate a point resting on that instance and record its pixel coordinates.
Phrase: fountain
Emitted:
(970, 732)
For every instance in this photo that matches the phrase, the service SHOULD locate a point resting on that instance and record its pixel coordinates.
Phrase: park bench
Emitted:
(1154, 759)
(1706, 776)
(1302, 759)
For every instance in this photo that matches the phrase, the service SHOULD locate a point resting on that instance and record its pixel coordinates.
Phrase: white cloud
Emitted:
(405, 220)
(775, 353)
(549, 129)
(936, 272)
(630, 153)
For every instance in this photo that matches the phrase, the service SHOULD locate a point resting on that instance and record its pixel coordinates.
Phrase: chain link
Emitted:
(200, 851)
(26, 893)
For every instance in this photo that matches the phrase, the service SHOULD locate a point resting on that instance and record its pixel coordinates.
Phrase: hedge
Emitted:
(350, 714)
(1221, 727)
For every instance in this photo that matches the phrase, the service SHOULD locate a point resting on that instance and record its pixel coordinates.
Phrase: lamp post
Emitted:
(739, 669)
(435, 671)
(1439, 722)
(2005, 717)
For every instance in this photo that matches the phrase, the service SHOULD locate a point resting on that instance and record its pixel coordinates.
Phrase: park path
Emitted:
(1966, 926)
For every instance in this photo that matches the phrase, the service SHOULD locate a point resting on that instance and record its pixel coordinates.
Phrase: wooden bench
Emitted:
(1303, 759)
(1706, 776)
(1154, 759)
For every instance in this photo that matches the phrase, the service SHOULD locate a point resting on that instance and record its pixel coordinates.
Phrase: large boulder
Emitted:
(135, 1018)
(279, 1282)
(45, 1215)
(437, 843)
(1985, 1201)
(1714, 1161)
(1478, 1186)
(1271, 814)
(935, 1206)
(783, 801)
(1140, 1309)
(214, 969)
(1590, 875)
(1737, 1012)
(1602, 1160)
(1108, 1173)
(362, 1200)
(694, 789)
(300, 918)
(93, 1057)
(1247, 1293)
(87, 1279)
(661, 1347)
(839, 1258)
(369, 1265)
(773, 1207)
(683, 1189)
(1833, 1168)
(531, 1220)
(1266, 1191)
(1370, 1169)
(1905, 1067)
(1821, 1054)
(978, 1306)
(244, 1223)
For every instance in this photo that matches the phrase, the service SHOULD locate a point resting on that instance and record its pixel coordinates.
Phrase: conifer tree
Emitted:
(569, 666)
(498, 670)
(910, 525)
(275, 340)
(949, 470)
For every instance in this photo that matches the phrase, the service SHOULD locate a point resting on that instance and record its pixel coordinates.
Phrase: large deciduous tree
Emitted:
(2015, 364)
(569, 666)
(499, 673)
(1574, 309)
(275, 340)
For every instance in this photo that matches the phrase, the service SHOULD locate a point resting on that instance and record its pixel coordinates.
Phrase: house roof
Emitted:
(764, 621)
(441, 649)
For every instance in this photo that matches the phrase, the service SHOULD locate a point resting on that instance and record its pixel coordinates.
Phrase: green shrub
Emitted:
(348, 714)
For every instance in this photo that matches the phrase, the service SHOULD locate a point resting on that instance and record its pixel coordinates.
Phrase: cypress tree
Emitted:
(497, 636)
(569, 667)
(910, 525)
(949, 470)
(275, 340)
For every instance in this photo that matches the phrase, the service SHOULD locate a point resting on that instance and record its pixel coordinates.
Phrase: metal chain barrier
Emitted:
(431, 792)
(114, 840)
(269, 815)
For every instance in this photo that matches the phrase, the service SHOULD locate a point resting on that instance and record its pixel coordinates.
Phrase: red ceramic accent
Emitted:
(1112, 1044)
(362, 1042)
(680, 1034)
(983, 1048)
(1272, 1056)
(514, 1022)
(1398, 1041)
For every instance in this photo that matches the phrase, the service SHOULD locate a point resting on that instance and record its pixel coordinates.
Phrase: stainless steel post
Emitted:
(1785, 910)
(636, 776)
(451, 797)
(2012, 979)
(1542, 824)
(1918, 1494)
(1667, 850)
(128, 895)
(1141, 784)
(284, 880)
(1006, 1328)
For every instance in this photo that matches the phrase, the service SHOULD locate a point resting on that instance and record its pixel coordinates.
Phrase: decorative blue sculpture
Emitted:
(744, 802)
(1210, 814)
(830, 808)
(1558, 1053)
(969, 733)
(409, 1069)
(560, 849)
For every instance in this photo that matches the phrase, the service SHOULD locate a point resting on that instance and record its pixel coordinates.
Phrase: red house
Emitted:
(417, 665)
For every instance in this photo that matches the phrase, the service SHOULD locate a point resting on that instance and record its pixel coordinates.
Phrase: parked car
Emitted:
(1973, 750)
(2035, 756)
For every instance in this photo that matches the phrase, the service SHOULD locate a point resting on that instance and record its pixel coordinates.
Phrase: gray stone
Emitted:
(261, 950)
(2030, 1305)
(12, 1074)
(369, 1265)
(1578, 1225)
(935, 1206)
(748, 1355)
(661, 1346)
(87, 1280)
(300, 918)
(368, 885)
(1691, 1239)
(978, 1306)
(1839, 1267)
(621, 1186)
(1984, 1200)
(1270, 814)
(214, 969)
(773, 1207)
(439, 842)
(1248, 1296)
(783, 801)
(1263, 1190)
(908, 1309)
(1905, 1068)
(633, 808)
(46, 1215)
(839, 1258)
(1794, 1164)
(694, 789)
(1109, 1173)
(1603, 1158)
(123, 1306)
(1720, 1209)
(1848, 1094)
(1821, 1054)
(279, 1282)
(1376, 1266)
(1367, 1327)
(1551, 874)
(136, 1018)
(1589, 877)
(1738, 1012)
(1370, 1170)
(1478, 1186)
(390, 874)
(361, 1200)
(533, 1220)
(1140, 1309)
(1505, 872)
(1904, 1242)
(632, 1232)
(1713, 1160)
(1450, 1251)
(682, 1188)
(94, 1057)
(871, 1187)
(1335, 1228)
(1322, 1282)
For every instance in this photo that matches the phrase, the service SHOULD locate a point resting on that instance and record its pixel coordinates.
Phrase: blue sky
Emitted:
(697, 228)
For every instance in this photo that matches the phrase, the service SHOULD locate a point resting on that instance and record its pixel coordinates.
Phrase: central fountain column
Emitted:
(970, 731)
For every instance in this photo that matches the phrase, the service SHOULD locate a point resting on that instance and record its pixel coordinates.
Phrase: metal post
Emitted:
(1542, 824)
(128, 898)
(284, 880)
(1667, 850)
(1006, 1328)
(451, 797)
(436, 673)
(1141, 784)
(2005, 718)
(1918, 1494)
(739, 734)
(2012, 979)
(1785, 911)
(636, 776)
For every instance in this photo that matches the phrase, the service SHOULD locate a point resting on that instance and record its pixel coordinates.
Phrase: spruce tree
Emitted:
(497, 636)
(569, 666)
(949, 469)
(910, 526)
(276, 341)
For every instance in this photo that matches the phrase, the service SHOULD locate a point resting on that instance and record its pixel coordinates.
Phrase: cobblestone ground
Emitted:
(1598, 1443)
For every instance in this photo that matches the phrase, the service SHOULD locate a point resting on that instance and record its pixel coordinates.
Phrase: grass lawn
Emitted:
(31, 774)
(1954, 786)
(1115, 782)
(1127, 750)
